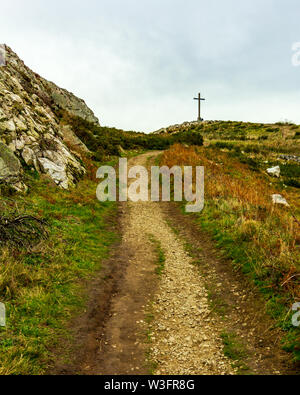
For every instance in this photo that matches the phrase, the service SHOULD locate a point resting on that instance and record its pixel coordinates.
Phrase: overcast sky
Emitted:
(139, 63)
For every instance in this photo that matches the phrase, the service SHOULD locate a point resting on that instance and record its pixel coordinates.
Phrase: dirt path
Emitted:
(167, 324)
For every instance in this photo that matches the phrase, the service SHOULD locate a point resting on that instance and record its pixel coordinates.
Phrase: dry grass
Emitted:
(262, 239)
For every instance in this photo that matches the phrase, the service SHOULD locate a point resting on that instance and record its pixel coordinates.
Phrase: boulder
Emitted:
(56, 172)
(278, 199)
(29, 156)
(10, 168)
(274, 171)
(73, 141)
(7, 126)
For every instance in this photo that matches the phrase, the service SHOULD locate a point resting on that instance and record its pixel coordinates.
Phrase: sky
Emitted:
(138, 64)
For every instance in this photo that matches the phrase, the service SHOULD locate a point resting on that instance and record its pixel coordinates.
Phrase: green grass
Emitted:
(248, 259)
(161, 262)
(235, 350)
(105, 141)
(42, 287)
(161, 259)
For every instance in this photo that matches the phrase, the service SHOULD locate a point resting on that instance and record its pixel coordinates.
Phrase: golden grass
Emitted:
(242, 202)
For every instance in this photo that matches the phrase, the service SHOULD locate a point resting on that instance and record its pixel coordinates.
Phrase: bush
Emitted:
(104, 141)
(21, 231)
(291, 182)
(297, 136)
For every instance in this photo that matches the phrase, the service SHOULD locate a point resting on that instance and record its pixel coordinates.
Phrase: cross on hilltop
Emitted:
(199, 98)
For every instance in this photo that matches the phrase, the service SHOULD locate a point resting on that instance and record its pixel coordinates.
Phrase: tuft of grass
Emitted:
(232, 348)
(161, 258)
(235, 350)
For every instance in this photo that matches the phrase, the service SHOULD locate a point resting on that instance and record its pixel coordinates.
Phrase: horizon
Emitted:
(142, 65)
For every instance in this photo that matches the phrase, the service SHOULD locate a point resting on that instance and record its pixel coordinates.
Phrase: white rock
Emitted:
(16, 98)
(274, 171)
(56, 172)
(12, 146)
(29, 140)
(278, 199)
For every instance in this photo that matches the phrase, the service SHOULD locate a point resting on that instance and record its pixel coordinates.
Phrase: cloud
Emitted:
(138, 64)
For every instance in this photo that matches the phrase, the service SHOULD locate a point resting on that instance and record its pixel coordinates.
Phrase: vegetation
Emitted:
(261, 239)
(41, 282)
(160, 255)
(52, 240)
(234, 350)
(105, 141)
(16, 230)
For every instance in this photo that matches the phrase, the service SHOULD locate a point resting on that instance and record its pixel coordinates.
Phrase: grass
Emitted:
(235, 350)
(232, 348)
(261, 239)
(106, 141)
(161, 258)
(217, 304)
(42, 286)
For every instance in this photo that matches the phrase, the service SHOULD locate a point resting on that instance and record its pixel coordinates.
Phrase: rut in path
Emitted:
(184, 332)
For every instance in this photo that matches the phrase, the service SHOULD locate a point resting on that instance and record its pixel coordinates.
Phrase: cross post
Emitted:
(199, 98)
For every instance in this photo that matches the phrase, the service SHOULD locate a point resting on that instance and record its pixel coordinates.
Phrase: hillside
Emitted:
(252, 206)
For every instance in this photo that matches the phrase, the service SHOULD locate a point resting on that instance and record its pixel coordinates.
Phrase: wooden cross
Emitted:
(199, 98)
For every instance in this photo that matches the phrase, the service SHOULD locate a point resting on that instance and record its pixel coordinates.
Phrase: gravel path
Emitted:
(184, 338)
(114, 336)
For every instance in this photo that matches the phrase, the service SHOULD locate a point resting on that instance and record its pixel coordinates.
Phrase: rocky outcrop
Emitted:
(292, 158)
(183, 127)
(30, 130)
(72, 140)
(70, 103)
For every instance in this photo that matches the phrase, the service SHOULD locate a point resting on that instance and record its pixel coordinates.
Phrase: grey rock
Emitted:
(293, 158)
(30, 127)
(10, 168)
